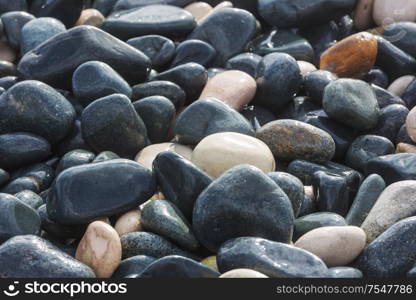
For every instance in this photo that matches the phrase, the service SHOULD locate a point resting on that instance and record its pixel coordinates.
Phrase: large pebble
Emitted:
(234, 198)
(112, 124)
(167, 89)
(393, 167)
(290, 139)
(133, 265)
(12, 23)
(397, 202)
(196, 51)
(336, 246)
(30, 198)
(273, 259)
(316, 220)
(220, 152)
(84, 193)
(351, 102)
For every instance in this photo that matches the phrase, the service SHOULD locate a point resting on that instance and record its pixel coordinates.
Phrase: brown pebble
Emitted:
(90, 17)
(352, 57)
(148, 154)
(363, 14)
(129, 222)
(405, 148)
(100, 249)
(199, 10)
(7, 53)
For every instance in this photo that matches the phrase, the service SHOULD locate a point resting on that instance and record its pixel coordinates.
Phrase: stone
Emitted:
(159, 49)
(273, 259)
(199, 10)
(30, 198)
(390, 121)
(300, 109)
(335, 245)
(73, 140)
(245, 62)
(368, 194)
(191, 77)
(39, 30)
(175, 266)
(405, 148)
(42, 173)
(112, 124)
(164, 218)
(195, 51)
(386, 12)
(13, 23)
(363, 14)
(30, 256)
(100, 249)
(17, 5)
(377, 77)
(7, 53)
(352, 57)
(228, 24)
(392, 254)
(133, 265)
(20, 111)
(20, 184)
(217, 153)
(312, 221)
(393, 167)
(292, 187)
(396, 32)
(90, 16)
(78, 197)
(67, 12)
(129, 4)
(180, 181)
(243, 273)
(94, 79)
(396, 203)
(411, 124)
(258, 116)
(210, 261)
(150, 244)
(129, 222)
(158, 19)
(220, 5)
(351, 102)
(399, 86)
(21, 149)
(148, 154)
(385, 98)
(282, 41)
(234, 88)
(74, 158)
(408, 96)
(4, 177)
(77, 46)
(290, 139)
(167, 89)
(278, 80)
(17, 218)
(229, 201)
(302, 13)
(344, 272)
(208, 116)
(306, 67)
(366, 147)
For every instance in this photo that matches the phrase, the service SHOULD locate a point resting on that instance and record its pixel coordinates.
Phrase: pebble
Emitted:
(90, 17)
(17, 5)
(392, 253)
(148, 154)
(39, 30)
(393, 167)
(7, 53)
(351, 102)
(398, 86)
(366, 147)
(175, 266)
(344, 272)
(378, 77)
(229, 200)
(273, 259)
(164, 218)
(13, 23)
(20, 103)
(94, 79)
(112, 124)
(105, 197)
(199, 10)
(395, 203)
(385, 98)
(229, 24)
(316, 220)
(133, 265)
(245, 62)
(159, 49)
(129, 222)
(30, 198)
(363, 14)
(217, 153)
(100, 249)
(150, 244)
(335, 245)
(234, 88)
(278, 80)
(386, 12)
(17, 218)
(130, 4)
(84, 43)
(21, 149)
(243, 273)
(391, 119)
(30, 256)
(208, 116)
(74, 158)
(352, 57)
(167, 89)
(367, 195)
(290, 140)
(306, 67)
(67, 12)
(411, 124)
(258, 116)
(195, 51)
(405, 148)
(395, 33)
(180, 180)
